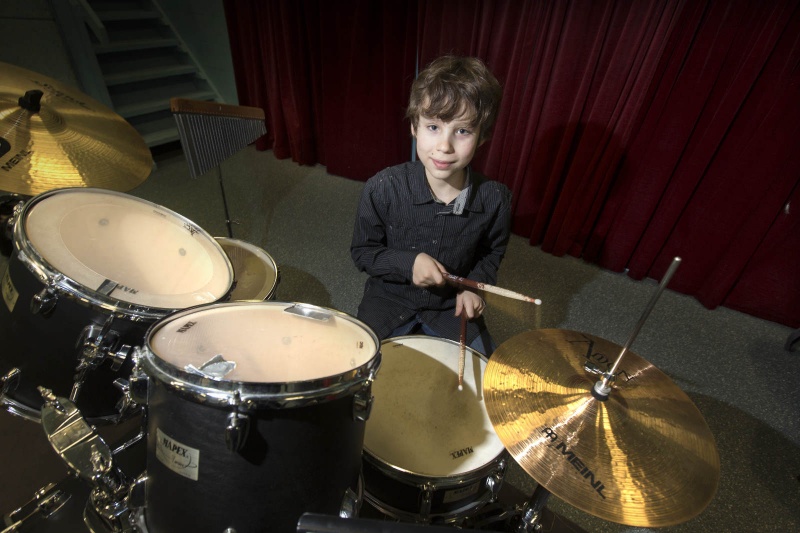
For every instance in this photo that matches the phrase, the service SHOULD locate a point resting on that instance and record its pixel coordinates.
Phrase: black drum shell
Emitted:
(294, 460)
(43, 346)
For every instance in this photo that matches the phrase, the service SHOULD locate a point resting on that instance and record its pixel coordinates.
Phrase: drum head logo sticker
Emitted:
(177, 456)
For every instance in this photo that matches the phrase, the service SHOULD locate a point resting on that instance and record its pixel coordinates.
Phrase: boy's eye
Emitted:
(433, 127)
(464, 131)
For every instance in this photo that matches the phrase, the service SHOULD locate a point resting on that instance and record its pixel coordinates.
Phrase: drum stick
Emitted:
(490, 288)
(463, 350)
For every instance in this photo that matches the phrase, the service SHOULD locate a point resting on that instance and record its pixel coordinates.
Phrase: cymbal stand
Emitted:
(530, 519)
(602, 388)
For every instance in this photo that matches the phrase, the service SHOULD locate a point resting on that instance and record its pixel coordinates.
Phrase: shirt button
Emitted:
(434, 241)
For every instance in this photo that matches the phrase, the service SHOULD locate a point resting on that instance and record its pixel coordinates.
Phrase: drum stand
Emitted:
(113, 493)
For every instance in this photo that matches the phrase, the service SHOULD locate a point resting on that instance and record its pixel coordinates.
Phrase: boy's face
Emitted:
(446, 148)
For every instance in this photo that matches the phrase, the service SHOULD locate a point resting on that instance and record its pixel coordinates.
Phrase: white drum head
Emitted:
(268, 344)
(254, 270)
(155, 257)
(420, 422)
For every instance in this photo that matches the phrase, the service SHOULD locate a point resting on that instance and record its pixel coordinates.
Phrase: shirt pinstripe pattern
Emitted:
(397, 218)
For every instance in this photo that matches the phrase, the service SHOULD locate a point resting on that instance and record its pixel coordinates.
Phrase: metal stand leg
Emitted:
(530, 520)
(225, 203)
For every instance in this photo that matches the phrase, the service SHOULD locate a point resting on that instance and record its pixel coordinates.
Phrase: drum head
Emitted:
(127, 248)
(254, 270)
(420, 422)
(267, 343)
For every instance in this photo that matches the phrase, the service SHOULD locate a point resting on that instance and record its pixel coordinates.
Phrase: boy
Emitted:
(421, 219)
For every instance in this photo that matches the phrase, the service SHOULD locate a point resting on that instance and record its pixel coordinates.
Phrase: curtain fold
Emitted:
(630, 132)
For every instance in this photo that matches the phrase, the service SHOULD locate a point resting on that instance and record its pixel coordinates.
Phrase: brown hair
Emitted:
(451, 87)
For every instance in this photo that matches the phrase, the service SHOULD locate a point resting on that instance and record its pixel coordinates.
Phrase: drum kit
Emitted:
(261, 415)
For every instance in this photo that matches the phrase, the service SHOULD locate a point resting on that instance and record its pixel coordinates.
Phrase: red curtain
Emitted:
(630, 132)
(332, 77)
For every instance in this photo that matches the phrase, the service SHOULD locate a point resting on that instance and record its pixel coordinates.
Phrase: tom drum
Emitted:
(91, 270)
(430, 451)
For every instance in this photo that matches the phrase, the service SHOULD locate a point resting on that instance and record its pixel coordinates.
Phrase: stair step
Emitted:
(156, 129)
(135, 44)
(132, 14)
(159, 104)
(148, 74)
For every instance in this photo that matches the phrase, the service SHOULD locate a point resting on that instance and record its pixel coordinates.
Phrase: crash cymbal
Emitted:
(643, 457)
(63, 139)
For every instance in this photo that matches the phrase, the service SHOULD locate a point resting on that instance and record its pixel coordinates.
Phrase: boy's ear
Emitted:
(413, 131)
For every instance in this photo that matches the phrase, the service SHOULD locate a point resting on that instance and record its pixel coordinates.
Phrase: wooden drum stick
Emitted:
(491, 288)
(463, 350)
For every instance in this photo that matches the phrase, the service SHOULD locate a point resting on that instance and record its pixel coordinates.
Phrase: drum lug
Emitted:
(119, 357)
(362, 404)
(94, 344)
(427, 500)
(236, 431)
(10, 381)
(44, 302)
(138, 386)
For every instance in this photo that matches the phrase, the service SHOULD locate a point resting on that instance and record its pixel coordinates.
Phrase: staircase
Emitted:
(143, 63)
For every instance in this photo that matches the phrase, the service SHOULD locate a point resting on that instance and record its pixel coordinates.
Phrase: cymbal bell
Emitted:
(63, 138)
(643, 457)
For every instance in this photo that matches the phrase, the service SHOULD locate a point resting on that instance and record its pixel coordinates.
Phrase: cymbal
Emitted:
(643, 457)
(71, 140)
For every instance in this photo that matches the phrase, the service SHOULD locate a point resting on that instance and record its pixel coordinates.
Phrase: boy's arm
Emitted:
(369, 248)
(493, 247)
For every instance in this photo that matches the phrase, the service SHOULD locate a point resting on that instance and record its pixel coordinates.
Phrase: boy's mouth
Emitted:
(441, 165)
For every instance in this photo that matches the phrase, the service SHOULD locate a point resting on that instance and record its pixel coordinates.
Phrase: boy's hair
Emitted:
(451, 87)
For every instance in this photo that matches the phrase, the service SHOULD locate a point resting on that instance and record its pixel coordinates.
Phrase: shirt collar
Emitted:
(421, 192)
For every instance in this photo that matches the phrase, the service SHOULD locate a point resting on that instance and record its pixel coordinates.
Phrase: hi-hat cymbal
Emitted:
(643, 457)
(67, 139)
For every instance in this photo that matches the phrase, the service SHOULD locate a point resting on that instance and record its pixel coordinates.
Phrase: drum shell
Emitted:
(43, 346)
(401, 494)
(294, 460)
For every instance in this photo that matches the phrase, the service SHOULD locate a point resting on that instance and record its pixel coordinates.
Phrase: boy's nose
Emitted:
(445, 145)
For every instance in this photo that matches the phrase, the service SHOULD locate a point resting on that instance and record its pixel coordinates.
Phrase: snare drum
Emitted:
(255, 415)
(255, 274)
(430, 451)
(91, 270)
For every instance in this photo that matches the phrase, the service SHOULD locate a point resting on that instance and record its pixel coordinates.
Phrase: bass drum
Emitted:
(430, 451)
(255, 414)
(91, 270)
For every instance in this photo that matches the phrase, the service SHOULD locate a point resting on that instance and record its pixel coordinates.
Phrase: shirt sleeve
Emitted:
(369, 248)
(492, 247)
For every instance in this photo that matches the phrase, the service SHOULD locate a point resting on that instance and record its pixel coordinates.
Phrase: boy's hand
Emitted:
(470, 303)
(427, 271)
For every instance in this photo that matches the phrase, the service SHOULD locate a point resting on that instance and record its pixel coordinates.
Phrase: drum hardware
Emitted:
(45, 502)
(238, 426)
(362, 401)
(608, 447)
(95, 345)
(89, 457)
(54, 134)
(44, 302)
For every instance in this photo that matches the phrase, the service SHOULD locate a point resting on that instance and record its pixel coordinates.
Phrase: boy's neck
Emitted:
(447, 190)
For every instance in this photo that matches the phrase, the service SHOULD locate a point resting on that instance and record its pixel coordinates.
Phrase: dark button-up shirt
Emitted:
(397, 219)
